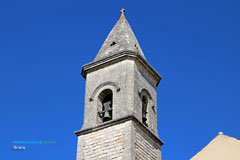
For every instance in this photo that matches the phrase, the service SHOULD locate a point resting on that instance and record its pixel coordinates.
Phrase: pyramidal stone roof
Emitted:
(121, 38)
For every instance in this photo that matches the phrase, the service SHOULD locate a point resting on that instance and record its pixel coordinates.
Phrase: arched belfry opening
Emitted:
(145, 110)
(105, 103)
(146, 104)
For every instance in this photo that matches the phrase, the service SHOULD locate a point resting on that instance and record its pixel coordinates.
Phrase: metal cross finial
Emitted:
(122, 11)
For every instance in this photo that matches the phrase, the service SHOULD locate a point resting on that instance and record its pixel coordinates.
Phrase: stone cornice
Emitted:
(119, 121)
(101, 63)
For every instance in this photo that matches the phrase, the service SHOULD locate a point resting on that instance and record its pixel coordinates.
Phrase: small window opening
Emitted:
(136, 46)
(106, 105)
(113, 43)
(144, 110)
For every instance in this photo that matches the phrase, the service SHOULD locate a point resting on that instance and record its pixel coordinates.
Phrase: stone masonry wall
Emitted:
(145, 147)
(112, 143)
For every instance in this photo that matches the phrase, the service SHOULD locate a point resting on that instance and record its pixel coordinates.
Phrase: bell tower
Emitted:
(120, 112)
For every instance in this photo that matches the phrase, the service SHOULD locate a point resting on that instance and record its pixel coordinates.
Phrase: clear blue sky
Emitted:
(194, 45)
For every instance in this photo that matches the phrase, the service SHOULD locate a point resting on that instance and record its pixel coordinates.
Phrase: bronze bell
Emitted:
(106, 116)
(144, 117)
(107, 109)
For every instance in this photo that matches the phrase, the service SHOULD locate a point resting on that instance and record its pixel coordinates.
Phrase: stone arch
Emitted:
(144, 92)
(99, 87)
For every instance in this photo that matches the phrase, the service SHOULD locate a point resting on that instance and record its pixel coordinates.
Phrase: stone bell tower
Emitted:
(120, 116)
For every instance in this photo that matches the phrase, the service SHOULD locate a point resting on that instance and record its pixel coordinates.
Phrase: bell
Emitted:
(144, 117)
(106, 116)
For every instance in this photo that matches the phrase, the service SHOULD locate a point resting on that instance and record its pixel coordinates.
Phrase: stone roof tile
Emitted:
(121, 38)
